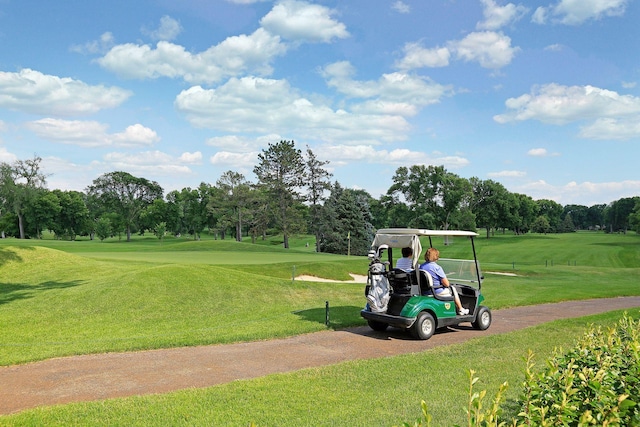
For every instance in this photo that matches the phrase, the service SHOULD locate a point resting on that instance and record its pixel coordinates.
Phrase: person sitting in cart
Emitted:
(441, 285)
(406, 262)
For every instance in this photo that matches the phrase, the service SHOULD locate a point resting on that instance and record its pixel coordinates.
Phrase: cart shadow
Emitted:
(337, 317)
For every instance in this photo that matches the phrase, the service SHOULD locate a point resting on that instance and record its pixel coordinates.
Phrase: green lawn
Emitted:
(62, 298)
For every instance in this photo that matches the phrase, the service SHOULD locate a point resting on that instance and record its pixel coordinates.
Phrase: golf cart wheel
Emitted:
(424, 326)
(377, 326)
(483, 318)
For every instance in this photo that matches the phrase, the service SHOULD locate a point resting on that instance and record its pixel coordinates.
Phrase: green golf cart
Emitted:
(406, 298)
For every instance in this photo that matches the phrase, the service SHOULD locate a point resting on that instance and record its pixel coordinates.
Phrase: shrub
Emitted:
(597, 382)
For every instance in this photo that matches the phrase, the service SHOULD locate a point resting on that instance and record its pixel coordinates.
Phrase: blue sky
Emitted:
(542, 96)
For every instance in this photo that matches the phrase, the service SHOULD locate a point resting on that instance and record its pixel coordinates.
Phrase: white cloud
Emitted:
(264, 106)
(147, 163)
(193, 158)
(584, 193)
(398, 91)
(401, 7)
(538, 152)
(559, 105)
(169, 29)
(234, 56)
(612, 128)
(33, 92)
(240, 144)
(507, 174)
(301, 21)
(244, 161)
(91, 133)
(496, 17)
(416, 56)
(7, 157)
(340, 155)
(575, 12)
(488, 48)
(102, 45)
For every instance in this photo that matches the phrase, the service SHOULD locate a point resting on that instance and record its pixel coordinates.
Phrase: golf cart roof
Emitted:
(424, 232)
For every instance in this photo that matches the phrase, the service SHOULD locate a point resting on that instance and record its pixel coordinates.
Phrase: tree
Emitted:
(346, 222)
(489, 203)
(73, 215)
(125, 194)
(281, 171)
(552, 210)
(103, 228)
(42, 212)
(579, 215)
(433, 195)
(19, 186)
(617, 213)
(317, 181)
(541, 225)
(232, 202)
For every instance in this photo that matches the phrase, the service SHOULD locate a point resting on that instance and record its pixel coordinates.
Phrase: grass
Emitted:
(380, 392)
(89, 296)
(60, 298)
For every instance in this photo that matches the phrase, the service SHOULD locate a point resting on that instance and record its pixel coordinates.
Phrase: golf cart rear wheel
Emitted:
(424, 326)
(377, 326)
(483, 319)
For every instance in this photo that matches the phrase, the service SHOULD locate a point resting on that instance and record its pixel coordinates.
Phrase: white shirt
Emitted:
(405, 264)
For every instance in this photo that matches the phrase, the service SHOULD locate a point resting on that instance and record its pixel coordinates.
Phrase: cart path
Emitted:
(103, 376)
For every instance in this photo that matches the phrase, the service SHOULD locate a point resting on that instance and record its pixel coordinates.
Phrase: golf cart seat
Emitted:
(426, 282)
(399, 281)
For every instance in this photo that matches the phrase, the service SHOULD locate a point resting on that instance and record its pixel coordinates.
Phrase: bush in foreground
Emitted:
(595, 383)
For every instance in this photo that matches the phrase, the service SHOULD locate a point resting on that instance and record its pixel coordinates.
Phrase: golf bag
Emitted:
(377, 285)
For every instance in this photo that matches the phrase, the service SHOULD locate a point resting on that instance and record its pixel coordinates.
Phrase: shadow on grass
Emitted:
(12, 292)
(8, 255)
(338, 317)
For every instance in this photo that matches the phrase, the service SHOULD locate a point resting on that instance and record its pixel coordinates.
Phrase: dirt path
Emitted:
(103, 376)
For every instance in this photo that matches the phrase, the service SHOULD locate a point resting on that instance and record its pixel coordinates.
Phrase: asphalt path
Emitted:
(103, 376)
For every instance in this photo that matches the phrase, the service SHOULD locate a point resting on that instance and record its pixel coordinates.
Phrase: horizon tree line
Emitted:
(293, 194)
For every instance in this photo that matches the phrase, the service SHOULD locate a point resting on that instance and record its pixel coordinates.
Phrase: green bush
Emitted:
(595, 383)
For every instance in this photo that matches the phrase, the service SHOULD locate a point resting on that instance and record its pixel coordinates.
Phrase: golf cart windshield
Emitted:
(461, 271)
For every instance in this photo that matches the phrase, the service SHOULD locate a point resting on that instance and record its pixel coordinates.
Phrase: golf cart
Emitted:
(405, 299)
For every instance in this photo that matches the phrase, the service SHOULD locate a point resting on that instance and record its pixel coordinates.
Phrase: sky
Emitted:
(542, 97)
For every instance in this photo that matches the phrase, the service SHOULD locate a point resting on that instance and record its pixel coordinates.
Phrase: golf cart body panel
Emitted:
(399, 298)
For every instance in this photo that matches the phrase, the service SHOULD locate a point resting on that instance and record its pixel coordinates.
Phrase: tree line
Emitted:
(294, 194)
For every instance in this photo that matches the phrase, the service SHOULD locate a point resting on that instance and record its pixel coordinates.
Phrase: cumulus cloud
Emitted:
(395, 93)
(608, 128)
(401, 7)
(102, 45)
(416, 56)
(91, 133)
(7, 157)
(490, 49)
(584, 193)
(33, 92)
(537, 152)
(241, 144)
(340, 155)
(147, 163)
(573, 12)
(507, 174)
(242, 161)
(614, 116)
(496, 16)
(303, 22)
(235, 55)
(169, 29)
(263, 106)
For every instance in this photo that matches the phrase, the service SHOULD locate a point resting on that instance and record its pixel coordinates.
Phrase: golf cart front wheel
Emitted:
(377, 326)
(424, 326)
(483, 318)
